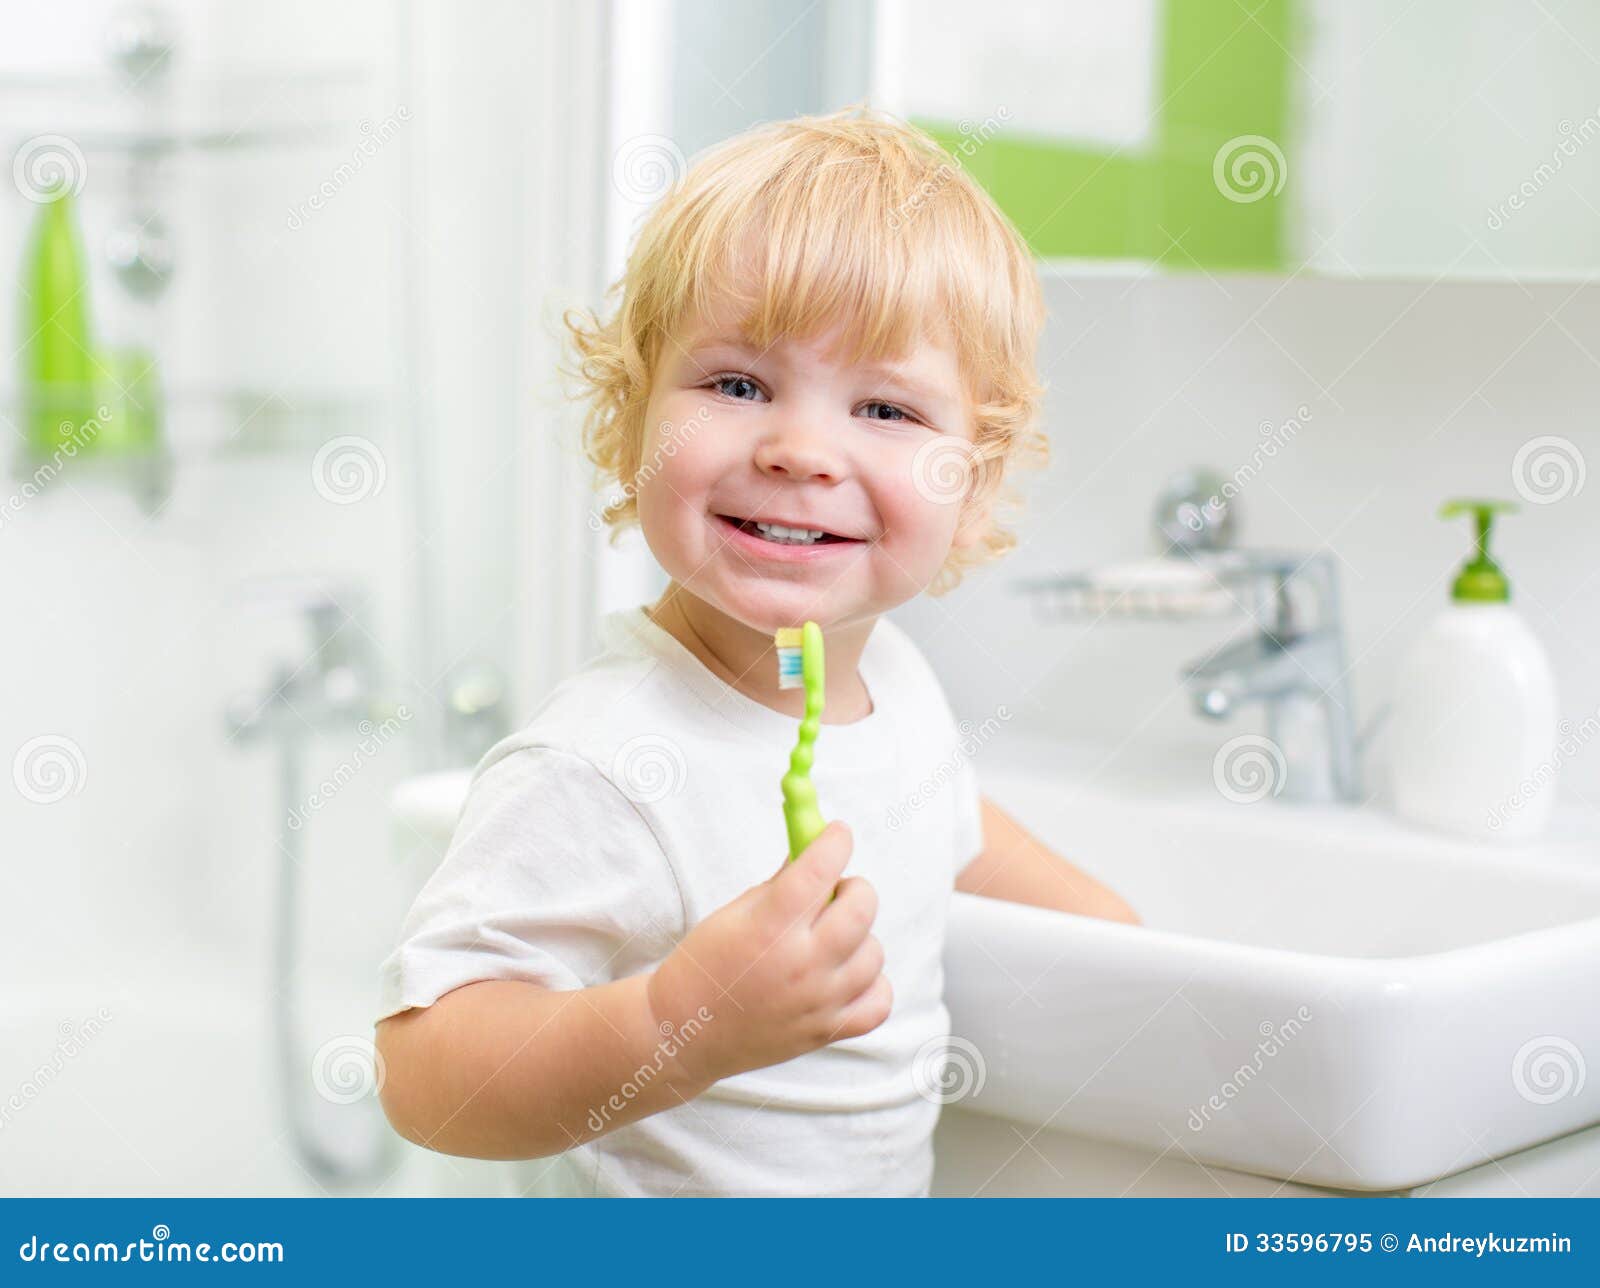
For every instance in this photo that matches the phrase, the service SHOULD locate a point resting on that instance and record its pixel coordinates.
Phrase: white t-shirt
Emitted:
(644, 795)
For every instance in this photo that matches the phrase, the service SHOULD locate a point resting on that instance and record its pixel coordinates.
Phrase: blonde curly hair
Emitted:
(855, 218)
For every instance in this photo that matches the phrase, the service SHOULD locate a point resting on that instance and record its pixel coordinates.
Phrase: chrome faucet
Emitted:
(1295, 667)
(1294, 664)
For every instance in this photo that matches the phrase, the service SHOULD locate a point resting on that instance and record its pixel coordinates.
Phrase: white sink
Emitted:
(1371, 1007)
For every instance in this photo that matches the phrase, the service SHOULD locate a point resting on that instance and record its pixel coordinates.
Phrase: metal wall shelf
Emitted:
(203, 426)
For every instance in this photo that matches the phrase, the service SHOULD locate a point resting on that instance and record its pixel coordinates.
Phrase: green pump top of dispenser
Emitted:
(1480, 580)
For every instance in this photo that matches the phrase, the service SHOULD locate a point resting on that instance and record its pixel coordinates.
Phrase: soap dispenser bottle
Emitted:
(1474, 727)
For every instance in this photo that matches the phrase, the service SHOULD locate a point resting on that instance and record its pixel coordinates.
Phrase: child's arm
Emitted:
(509, 1069)
(1017, 867)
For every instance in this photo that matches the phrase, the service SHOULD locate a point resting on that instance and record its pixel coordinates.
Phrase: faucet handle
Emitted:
(1191, 513)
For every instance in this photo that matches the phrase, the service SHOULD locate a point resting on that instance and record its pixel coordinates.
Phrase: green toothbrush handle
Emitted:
(800, 812)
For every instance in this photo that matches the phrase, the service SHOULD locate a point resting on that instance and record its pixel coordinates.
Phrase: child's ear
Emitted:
(972, 524)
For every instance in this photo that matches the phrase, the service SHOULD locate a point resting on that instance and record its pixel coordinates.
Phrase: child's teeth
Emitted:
(795, 536)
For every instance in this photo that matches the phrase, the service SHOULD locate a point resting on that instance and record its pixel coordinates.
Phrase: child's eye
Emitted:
(743, 384)
(887, 411)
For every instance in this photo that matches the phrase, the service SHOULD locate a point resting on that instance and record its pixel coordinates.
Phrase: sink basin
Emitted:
(1319, 994)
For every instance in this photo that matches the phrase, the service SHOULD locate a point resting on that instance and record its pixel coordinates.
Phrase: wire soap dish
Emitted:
(1167, 587)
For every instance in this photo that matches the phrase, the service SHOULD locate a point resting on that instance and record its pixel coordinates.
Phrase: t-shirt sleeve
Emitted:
(551, 876)
(968, 812)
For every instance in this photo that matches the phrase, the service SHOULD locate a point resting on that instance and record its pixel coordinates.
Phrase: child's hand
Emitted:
(780, 970)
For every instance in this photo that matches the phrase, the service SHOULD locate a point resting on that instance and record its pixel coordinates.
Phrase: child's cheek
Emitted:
(675, 459)
(921, 518)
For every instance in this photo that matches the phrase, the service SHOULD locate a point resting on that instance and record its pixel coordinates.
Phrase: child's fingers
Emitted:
(842, 925)
(803, 886)
(868, 1011)
(860, 970)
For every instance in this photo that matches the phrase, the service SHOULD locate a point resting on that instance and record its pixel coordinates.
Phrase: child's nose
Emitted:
(800, 449)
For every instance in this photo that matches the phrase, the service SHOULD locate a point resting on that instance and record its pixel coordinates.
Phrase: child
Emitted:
(827, 328)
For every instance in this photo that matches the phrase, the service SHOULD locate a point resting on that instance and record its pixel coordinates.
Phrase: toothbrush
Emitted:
(800, 664)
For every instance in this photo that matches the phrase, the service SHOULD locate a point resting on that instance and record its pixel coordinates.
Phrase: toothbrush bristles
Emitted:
(788, 643)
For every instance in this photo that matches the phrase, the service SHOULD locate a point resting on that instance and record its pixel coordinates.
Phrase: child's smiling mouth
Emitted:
(775, 539)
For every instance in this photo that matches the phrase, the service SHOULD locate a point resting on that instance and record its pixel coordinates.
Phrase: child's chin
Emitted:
(784, 606)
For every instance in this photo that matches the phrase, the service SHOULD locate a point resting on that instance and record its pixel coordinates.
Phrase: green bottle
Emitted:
(57, 375)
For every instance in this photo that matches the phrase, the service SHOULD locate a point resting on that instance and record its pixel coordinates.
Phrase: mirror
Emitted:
(1351, 138)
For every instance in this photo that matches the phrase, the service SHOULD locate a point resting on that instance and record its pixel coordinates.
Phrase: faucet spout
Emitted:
(1300, 677)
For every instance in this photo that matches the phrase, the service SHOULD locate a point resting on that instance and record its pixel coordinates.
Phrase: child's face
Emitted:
(876, 456)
